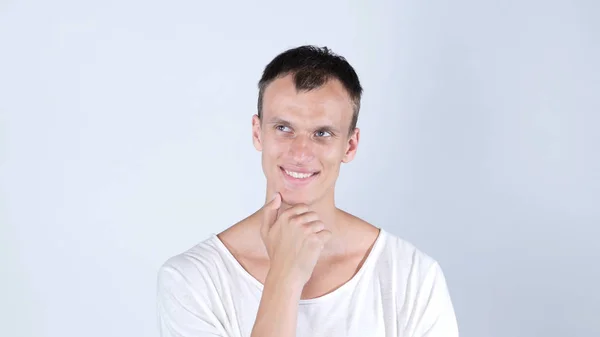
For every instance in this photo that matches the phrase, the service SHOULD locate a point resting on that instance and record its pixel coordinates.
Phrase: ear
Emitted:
(351, 146)
(256, 133)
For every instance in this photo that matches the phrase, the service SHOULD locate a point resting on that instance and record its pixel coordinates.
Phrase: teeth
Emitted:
(298, 175)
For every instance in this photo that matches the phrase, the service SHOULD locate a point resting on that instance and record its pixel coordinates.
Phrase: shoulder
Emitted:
(193, 268)
(405, 253)
(413, 266)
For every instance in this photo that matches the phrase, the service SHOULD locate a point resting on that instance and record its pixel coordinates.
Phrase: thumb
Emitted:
(270, 211)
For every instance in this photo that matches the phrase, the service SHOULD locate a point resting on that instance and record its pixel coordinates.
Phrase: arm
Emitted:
(278, 310)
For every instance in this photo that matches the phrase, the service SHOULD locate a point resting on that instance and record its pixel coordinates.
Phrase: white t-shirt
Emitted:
(398, 291)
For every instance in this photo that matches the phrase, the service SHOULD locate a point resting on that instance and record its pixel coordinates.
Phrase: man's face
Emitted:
(304, 137)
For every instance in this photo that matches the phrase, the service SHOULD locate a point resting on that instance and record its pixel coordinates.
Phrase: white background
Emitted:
(126, 139)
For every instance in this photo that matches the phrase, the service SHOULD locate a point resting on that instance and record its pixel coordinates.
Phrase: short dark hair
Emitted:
(312, 67)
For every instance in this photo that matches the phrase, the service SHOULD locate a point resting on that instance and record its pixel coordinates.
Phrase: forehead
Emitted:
(330, 101)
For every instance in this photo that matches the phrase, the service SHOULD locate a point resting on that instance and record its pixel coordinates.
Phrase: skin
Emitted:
(299, 244)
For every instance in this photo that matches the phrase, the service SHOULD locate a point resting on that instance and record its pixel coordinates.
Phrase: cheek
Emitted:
(331, 155)
(273, 150)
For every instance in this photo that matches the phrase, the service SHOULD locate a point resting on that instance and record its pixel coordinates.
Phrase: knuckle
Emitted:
(307, 228)
(286, 214)
(295, 210)
(287, 217)
(295, 221)
(311, 217)
(315, 226)
(311, 222)
(301, 208)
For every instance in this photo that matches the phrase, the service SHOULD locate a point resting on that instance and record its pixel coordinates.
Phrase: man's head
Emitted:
(308, 105)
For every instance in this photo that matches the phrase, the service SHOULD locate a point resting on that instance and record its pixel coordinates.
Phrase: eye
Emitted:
(323, 133)
(282, 128)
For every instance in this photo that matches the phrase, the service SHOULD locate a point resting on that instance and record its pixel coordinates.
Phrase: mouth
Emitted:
(299, 178)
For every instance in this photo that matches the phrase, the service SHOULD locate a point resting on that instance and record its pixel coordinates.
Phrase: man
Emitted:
(299, 266)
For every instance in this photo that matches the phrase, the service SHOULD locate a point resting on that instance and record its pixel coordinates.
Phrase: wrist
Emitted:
(284, 282)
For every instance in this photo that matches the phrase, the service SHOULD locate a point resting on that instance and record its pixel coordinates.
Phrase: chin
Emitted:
(296, 197)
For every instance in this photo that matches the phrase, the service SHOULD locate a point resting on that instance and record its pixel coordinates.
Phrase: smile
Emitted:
(298, 175)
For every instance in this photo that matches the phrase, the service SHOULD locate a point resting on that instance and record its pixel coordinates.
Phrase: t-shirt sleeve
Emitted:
(433, 314)
(181, 309)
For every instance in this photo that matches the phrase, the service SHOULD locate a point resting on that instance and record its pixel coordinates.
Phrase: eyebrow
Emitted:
(277, 120)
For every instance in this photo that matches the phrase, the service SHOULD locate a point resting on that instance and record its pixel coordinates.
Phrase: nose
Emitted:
(301, 149)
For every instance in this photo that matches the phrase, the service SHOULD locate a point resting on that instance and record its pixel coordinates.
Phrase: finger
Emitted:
(294, 210)
(314, 226)
(270, 212)
(316, 241)
(301, 219)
